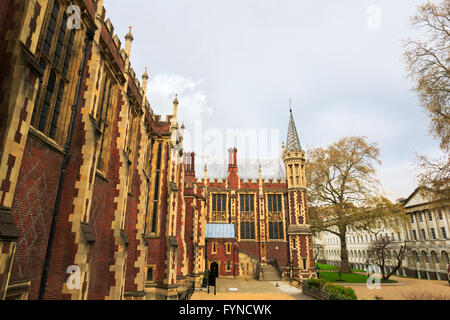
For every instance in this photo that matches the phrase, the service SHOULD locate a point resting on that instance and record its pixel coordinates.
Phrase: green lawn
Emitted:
(347, 277)
(330, 267)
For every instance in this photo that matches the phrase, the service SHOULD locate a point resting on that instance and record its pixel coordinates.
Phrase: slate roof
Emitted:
(220, 231)
(293, 142)
(247, 169)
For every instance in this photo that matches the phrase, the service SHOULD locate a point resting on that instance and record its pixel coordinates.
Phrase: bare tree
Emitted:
(428, 65)
(383, 250)
(318, 253)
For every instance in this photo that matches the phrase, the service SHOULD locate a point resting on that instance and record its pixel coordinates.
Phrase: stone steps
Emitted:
(270, 273)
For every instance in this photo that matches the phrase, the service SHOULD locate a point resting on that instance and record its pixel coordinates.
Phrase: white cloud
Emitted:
(339, 121)
(399, 180)
(193, 104)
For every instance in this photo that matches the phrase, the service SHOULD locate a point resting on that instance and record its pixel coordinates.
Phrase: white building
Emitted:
(425, 229)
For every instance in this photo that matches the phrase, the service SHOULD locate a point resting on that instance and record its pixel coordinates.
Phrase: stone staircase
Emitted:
(270, 273)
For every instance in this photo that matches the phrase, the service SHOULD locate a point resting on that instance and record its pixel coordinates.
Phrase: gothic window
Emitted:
(104, 119)
(131, 142)
(154, 216)
(132, 116)
(150, 274)
(444, 233)
(275, 215)
(247, 215)
(228, 266)
(148, 157)
(228, 248)
(54, 53)
(214, 248)
(219, 207)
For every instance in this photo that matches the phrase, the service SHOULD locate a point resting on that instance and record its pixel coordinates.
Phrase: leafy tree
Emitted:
(344, 192)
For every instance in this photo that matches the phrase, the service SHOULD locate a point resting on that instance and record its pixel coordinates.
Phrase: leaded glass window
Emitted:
(275, 216)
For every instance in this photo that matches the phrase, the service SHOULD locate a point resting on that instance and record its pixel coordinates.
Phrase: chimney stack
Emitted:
(232, 162)
(189, 161)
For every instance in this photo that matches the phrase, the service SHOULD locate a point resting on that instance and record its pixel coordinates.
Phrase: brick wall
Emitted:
(32, 210)
(221, 257)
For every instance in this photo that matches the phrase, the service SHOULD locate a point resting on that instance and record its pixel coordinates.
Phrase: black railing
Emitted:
(187, 295)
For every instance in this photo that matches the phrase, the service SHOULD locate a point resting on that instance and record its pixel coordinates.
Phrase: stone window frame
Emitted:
(223, 214)
(131, 143)
(52, 107)
(228, 248)
(214, 247)
(248, 218)
(105, 116)
(153, 267)
(433, 234)
(280, 218)
(156, 181)
(423, 234)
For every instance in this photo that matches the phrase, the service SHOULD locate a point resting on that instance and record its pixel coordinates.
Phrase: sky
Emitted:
(235, 65)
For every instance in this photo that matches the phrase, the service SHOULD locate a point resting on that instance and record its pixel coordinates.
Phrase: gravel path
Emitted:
(401, 290)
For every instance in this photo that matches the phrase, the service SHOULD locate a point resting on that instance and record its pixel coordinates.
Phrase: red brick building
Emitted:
(255, 222)
(97, 198)
(91, 181)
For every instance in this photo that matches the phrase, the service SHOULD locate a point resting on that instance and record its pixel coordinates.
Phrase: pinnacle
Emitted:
(293, 142)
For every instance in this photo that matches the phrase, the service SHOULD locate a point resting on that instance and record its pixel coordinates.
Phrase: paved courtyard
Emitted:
(251, 290)
(402, 289)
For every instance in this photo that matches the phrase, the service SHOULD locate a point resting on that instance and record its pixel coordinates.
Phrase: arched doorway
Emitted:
(214, 268)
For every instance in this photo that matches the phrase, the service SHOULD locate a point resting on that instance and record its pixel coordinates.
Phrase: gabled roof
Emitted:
(419, 196)
(219, 231)
(293, 142)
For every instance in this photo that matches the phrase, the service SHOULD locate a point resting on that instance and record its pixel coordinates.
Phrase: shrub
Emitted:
(336, 296)
(315, 283)
(337, 291)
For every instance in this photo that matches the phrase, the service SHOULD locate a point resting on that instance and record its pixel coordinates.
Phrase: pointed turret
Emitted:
(299, 233)
(293, 142)
(294, 157)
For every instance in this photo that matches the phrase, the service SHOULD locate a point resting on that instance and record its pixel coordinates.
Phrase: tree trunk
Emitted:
(383, 267)
(345, 265)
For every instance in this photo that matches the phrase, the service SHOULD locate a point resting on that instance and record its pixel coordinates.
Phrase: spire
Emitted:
(293, 142)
